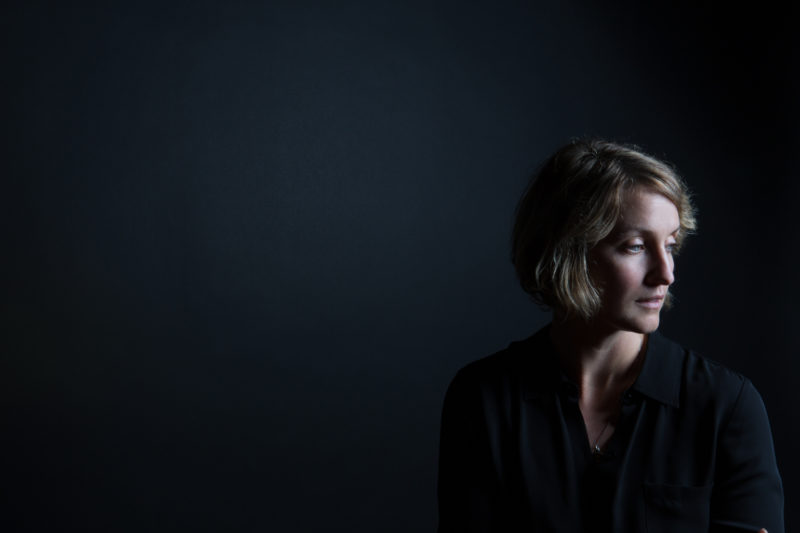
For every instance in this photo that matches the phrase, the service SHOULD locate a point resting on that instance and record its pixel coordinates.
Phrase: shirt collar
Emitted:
(659, 379)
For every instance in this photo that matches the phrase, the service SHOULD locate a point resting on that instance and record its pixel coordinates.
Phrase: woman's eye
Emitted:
(634, 248)
(671, 247)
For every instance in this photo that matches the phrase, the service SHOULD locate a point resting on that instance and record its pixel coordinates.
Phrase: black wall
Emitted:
(247, 245)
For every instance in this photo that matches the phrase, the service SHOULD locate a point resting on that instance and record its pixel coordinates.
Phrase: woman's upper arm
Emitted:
(747, 485)
(466, 498)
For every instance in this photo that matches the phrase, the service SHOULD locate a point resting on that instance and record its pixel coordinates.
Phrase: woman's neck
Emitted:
(598, 359)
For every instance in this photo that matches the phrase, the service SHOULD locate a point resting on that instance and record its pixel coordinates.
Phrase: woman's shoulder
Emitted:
(698, 378)
(522, 363)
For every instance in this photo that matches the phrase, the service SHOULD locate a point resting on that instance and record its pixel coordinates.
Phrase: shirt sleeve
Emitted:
(748, 492)
(468, 488)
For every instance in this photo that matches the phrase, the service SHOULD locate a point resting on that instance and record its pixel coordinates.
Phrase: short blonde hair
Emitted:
(570, 205)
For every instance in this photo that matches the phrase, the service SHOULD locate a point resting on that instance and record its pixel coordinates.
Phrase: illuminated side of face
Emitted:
(633, 266)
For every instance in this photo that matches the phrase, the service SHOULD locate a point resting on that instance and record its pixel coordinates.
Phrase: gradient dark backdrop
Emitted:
(247, 246)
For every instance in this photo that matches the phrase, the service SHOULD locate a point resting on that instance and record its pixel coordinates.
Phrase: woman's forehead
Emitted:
(643, 210)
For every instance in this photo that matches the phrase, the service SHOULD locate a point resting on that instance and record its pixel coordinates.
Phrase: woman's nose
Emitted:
(661, 270)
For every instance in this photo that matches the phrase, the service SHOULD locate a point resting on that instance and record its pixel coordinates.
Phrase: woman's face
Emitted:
(633, 266)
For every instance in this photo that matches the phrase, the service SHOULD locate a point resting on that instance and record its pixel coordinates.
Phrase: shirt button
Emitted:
(628, 398)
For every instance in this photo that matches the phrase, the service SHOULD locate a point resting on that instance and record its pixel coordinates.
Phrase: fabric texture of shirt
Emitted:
(693, 449)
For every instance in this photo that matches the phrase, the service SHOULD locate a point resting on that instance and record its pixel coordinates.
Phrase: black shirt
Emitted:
(693, 450)
(596, 473)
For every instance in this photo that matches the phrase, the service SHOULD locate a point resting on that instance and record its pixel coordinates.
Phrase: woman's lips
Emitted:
(651, 303)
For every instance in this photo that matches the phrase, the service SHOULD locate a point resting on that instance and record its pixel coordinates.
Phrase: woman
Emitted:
(597, 423)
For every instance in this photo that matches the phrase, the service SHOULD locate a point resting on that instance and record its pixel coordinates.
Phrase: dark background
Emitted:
(246, 246)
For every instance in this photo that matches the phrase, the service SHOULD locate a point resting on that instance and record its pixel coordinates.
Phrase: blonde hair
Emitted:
(572, 203)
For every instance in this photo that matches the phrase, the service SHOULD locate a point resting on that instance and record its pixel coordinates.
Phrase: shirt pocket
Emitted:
(670, 508)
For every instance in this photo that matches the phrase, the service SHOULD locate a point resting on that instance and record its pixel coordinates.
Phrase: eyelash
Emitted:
(636, 248)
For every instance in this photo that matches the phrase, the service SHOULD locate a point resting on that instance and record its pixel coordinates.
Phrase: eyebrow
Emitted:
(636, 229)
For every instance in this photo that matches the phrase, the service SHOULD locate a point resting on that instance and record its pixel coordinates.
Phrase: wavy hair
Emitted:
(571, 204)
